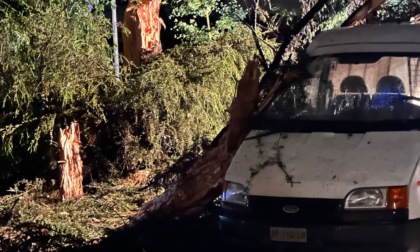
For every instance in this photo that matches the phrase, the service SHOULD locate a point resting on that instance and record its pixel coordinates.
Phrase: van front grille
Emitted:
(311, 211)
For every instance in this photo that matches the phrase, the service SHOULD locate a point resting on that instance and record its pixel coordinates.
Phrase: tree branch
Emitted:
(269, 78)
(362, 12)
(258, 45)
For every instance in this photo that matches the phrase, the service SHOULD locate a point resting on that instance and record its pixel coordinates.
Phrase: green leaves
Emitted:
(193, 7)
(193, 19)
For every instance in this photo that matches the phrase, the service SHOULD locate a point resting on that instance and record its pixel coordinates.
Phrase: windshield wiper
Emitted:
(270, 127)
(407, 97)
(264, 134)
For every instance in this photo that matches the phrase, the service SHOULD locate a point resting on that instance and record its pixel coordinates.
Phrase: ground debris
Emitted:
(39, 223)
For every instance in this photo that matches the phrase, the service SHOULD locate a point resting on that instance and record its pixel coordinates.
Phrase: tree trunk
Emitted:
(208, 24)
(71, 176)
(205, 179)
(141, 18)
(363, 12)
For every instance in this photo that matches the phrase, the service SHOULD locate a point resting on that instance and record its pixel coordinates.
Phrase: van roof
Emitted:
(377, 38)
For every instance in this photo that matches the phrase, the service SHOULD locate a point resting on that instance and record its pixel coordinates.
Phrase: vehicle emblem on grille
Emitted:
(291, 209)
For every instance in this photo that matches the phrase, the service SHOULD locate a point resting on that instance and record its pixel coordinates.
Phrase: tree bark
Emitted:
(205, 179)
(208, 23)
(142, 20)
(71, 165)
(362, 12)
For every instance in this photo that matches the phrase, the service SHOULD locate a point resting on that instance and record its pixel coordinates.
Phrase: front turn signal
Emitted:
(397, 197)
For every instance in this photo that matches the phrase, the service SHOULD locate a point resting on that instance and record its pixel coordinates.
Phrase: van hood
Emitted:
(323, 165)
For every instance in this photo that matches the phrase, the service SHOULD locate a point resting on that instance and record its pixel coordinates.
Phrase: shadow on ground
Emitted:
(155, 235)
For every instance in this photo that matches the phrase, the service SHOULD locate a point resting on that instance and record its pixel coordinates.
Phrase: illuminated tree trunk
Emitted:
(71, 176)
(142, 20)
(205, 179)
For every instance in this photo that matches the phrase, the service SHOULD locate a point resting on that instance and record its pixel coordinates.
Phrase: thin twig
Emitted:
(260, 39)
(281, 164)
(258, 45)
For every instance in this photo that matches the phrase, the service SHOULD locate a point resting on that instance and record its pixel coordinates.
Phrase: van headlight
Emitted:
(377, 198)
(235, 193)
(366, 198)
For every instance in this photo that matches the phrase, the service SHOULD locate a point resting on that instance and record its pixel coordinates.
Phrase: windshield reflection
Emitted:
(352, 89)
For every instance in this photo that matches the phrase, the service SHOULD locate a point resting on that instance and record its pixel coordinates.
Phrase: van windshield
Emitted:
(357, 89)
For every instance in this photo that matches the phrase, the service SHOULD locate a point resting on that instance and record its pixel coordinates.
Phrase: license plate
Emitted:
(288, 234)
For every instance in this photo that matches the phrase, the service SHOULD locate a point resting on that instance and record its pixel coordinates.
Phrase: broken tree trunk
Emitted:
(141, 18)
(71, 176)
(204, 181)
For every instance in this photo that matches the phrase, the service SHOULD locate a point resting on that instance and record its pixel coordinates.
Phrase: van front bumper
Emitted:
(253, 234)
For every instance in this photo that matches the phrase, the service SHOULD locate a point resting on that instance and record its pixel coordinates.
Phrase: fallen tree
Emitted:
(204, 180)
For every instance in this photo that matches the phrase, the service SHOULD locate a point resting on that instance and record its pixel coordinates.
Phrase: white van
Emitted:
(332, 163)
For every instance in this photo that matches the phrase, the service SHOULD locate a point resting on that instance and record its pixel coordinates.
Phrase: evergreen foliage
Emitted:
(56, 66)
(179, 99)
(176, 101)
(194, 19)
